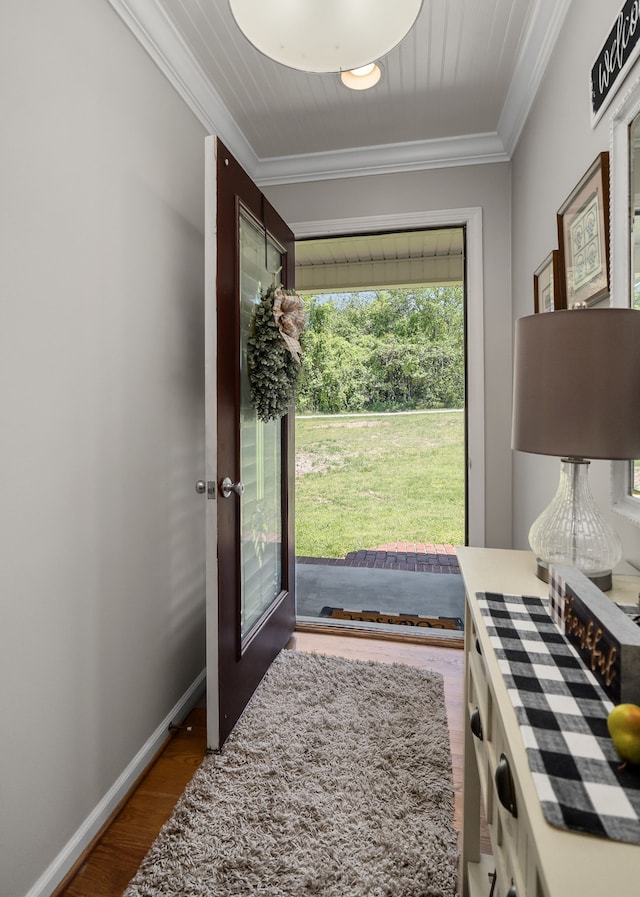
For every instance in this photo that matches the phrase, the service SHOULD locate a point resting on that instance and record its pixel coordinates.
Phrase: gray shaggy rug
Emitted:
(336, 782)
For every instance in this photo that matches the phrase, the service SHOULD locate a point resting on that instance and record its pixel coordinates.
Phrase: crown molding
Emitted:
(546, 21)
(473, 149)
(156, 33)
(148, 22)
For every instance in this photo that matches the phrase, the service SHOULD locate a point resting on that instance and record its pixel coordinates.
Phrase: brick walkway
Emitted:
(420, 557)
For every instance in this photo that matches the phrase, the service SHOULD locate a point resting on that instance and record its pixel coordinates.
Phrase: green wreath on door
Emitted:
(274, 356)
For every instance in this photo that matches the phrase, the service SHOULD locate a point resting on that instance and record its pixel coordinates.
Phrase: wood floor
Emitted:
(116, 856)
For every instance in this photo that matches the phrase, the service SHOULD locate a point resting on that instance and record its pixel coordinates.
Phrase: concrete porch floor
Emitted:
(397, 578)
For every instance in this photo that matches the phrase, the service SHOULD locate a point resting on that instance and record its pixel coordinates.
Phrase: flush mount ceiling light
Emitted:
(362, 78)
(325, 35)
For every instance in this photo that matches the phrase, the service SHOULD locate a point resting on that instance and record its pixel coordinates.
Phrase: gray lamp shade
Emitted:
(577, 383)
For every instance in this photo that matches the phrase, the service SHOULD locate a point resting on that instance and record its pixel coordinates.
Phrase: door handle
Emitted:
(505, 787)
(476, 724)
(227, 486)
(201, 487)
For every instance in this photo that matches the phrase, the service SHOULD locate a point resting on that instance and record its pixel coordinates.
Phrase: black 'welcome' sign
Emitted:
(616, 56)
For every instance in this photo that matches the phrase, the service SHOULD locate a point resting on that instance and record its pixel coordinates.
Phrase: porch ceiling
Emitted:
(380, 260)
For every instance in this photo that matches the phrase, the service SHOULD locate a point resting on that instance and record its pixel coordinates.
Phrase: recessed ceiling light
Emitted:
(362, 78)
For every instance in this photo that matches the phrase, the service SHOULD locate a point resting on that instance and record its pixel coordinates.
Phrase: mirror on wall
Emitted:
(633, 487)
(625, 257)
(634, 211)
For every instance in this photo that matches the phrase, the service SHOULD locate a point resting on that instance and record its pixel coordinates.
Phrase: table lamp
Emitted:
(576, 395)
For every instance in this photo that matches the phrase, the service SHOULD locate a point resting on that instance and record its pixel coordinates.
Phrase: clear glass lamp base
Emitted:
(573, 531)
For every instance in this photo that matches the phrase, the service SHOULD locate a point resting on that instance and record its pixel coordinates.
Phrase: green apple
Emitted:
(623, 724)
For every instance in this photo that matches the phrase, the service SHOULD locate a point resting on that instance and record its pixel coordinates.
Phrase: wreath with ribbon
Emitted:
(274, 356)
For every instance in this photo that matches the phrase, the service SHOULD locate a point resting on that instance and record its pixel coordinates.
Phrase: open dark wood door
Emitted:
(255, 460)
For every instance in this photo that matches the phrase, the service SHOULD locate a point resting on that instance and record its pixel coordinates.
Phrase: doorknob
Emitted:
(227, 487)
(201, 487)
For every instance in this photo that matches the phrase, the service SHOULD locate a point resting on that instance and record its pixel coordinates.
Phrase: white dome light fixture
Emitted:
(362, 78)
(325, 35)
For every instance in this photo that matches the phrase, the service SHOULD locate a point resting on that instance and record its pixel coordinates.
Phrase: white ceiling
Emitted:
(456, 90)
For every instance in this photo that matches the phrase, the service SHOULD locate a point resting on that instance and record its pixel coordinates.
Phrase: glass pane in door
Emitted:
(260, 448)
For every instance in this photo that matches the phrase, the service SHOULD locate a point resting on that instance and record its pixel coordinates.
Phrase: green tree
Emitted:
(384, 350)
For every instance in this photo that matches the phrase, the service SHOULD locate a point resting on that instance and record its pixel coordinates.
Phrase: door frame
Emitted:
(471, 220)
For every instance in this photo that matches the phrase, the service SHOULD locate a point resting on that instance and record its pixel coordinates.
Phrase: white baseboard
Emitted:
(73, 849)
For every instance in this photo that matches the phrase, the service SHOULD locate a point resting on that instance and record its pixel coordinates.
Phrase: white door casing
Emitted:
(471, 219)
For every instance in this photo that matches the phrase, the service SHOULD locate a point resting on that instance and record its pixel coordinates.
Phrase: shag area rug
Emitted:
(336, 782)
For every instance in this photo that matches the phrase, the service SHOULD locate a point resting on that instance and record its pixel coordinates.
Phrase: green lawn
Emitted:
(364, 480)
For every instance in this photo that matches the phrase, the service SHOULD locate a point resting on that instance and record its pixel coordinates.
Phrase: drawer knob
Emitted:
(505, 788)
(476, 724)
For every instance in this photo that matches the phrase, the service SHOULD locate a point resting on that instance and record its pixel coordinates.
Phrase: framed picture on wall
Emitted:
(548, 293)
(583, 237)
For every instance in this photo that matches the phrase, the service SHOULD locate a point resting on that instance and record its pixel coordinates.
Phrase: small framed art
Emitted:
(583, 237)
(548, 293)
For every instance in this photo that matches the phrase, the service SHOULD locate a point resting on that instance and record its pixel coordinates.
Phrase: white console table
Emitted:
(530, 856)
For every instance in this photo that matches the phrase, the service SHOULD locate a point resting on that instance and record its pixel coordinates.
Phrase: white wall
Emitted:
(556, 148)
(101, 404)
(484, 186)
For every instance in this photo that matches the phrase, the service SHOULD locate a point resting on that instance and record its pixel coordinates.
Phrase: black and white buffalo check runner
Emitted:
(562, 711)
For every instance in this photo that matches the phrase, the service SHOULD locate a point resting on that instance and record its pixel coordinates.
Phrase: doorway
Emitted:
(381, 429)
